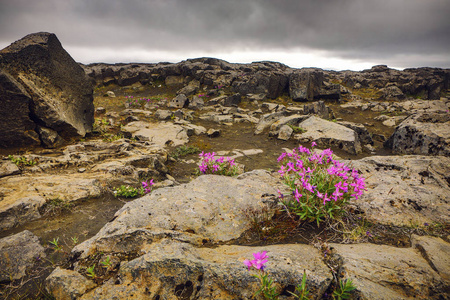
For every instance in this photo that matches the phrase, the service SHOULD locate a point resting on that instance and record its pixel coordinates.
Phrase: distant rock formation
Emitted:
(273, 79)
(42, 89)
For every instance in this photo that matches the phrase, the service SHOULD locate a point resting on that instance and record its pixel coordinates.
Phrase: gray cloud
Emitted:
(394, 31)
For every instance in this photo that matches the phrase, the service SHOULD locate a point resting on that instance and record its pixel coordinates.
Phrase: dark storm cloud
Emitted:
(395, 31)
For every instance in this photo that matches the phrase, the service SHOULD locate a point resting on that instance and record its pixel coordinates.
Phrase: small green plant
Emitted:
(344, 289)
(56, 245)
(297, 129)
(56, 205)
(74, 240)
(183, 151)
(109, 137)
(128, 191)
(91, 272)
(21, 160)
(106, 263)
(131, 192)
(301, 292)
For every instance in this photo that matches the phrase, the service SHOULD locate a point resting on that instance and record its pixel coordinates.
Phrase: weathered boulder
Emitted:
(18, 253)
(232, 100)
(16, 127)
(8, 168)
(67, 284)
(49, 137)
(304, 85)
(160, 134)
(49, 88)
(267, 120)
(206, 209)
(327, 134)
(178, 102)
(425, 133)
(318, 108)
(174, 270)
(386, 272)
(435, 250)
(405, 190)
(285, 133)
(285, 121)
(361, 131)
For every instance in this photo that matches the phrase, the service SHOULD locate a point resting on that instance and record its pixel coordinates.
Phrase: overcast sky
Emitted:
(334, 34)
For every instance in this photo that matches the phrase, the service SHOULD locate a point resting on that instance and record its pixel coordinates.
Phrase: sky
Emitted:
(328, 34)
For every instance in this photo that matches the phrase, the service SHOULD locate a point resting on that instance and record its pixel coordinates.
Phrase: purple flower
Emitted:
(313, 144)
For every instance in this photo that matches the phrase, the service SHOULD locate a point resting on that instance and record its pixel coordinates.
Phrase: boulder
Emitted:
(196, 103)
(289, 120)
(285, 133)
(232, 100)
(267, 120)
(204, 210)
(67, 284)
(318, 108)
(178, 102)
(305, 85)
(423, 133)
(18, 253)
(435, 250)
(361, 131)
(328, 134)
(386, 272)
(54, 91)
(8, 168)
(176, 270)
(49, 137)
(405, 190)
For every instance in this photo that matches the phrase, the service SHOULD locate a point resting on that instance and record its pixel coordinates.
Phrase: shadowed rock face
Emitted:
(42, 85)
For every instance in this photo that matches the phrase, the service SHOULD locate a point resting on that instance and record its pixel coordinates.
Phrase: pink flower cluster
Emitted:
(147, 185)
(258, 262)
(318, 176)
(221, 165)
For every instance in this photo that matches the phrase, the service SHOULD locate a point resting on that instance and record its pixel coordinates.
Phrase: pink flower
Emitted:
(313, 144)
(258, 262)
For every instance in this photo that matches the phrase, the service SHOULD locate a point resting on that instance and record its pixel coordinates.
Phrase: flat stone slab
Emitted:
(169, 268)
(18, 253)
(327, 134)
(386, 272)
(160, 134)
(208, 209)
(405, 190)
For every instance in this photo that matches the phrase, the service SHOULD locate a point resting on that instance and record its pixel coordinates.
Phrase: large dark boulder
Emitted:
(47, 87)
(305, 85)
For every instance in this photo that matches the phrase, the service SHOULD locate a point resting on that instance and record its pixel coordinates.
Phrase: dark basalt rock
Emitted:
(45, 87)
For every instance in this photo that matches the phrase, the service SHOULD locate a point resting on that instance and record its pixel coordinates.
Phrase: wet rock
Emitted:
(327, 134)
(49, 137)
(160, 134)
(67, 284)
(8, 168)
(173, 269)
(178, 102)
(386, 272)
(435, 251)
(405, 190)
(318, 108)
(206, 209)
(425, 133)
(60, 94)
(19, 253)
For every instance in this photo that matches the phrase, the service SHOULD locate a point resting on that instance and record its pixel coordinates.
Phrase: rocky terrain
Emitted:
(70, 138)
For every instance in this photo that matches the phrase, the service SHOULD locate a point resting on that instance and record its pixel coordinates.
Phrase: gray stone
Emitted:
(163, 114)
(327, 134)
(206, 209)
(18, 253)
(305, 85)
(67, 284)
(172, 269)
(386, 272)
(232, 100)
(178, 102)
(110, 94)
(267, 120)
(405, 190)
(362, 132)
(196, 103)
(424, 133)
(213, 132)
(49, 137)
(159, 134)
(285, 133)
(60, 92)
(8, 168)
(318, 108)
(436, 252)
(289, 120)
